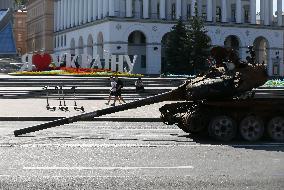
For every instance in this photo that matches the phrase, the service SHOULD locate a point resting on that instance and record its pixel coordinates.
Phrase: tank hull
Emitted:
(251, 119)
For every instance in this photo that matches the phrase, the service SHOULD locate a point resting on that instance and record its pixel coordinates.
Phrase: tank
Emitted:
(219, 103)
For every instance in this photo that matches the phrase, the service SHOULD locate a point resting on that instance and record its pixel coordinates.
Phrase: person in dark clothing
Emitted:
(139, 85)
(112, 90)
(119, 86)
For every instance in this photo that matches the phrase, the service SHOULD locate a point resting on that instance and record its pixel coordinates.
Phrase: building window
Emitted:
(58, 41)
(158, 10)
(188, 11)
(143, 61)
(204, 12)
(133, 8)
(61, 41)
(218, 14)
(233, 15)
(173, 14)
(246, 16)
(20, 38)
(64, 40)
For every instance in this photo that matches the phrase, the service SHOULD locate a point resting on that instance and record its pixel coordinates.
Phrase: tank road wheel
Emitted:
(275, 128)
(223, 128)
(194, 122)
(251, 128)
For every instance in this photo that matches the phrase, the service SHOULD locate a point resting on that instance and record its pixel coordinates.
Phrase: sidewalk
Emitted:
(35, 110)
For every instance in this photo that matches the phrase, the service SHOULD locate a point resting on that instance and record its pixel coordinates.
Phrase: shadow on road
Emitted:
(264, 144)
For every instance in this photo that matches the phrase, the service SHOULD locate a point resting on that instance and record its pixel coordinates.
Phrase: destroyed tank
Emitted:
(219, 103)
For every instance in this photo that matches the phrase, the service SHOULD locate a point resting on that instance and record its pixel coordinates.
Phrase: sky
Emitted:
(274, 5)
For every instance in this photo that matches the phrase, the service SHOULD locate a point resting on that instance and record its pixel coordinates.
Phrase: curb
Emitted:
(112, 119)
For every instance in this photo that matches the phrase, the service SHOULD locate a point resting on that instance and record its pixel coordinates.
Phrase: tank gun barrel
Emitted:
(176, 94)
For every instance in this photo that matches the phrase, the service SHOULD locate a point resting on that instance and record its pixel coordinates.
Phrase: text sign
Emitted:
(112, 62)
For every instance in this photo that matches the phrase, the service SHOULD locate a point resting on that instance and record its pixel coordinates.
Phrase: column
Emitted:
(80, 10)
(58, 15)
(162, 9)
(95, 9)
(199, 8)
(279, 13)
(68, 13)
(178, 9)
(90, 10)
(214, 7)
(76, 12)
(105, 8)
(253, 11)
(129, 8)
(209, 10)
(85, 11)
(55, 16)
(238, 11)
(193, 7)
(100, 9)
(65, 14)
(72, 13)
(137, 9)
(266, 13)
(262, 10)
(145, 8)
(224, 11)
(111, 8)
(153, 59)
(61, 15)
(271, 12)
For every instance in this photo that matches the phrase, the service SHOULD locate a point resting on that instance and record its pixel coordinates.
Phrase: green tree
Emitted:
(21, 2)
(200, 43)
(177, 50)
(187, 48)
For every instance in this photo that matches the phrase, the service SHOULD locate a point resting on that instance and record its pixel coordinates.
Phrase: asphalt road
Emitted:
(117, 155)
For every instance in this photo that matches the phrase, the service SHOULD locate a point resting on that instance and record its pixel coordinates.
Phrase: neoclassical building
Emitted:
(40, 25)
(139, 27)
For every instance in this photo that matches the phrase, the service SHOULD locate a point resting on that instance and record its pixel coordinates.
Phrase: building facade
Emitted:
(5, 4)
(139, 27)
(20, 31)
(40, 25)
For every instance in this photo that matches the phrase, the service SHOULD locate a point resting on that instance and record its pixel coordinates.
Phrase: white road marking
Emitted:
(108, 168)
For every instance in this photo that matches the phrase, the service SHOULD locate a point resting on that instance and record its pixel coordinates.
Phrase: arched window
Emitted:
(137, 46)
(261, 46)
(90, 45)
(232, 42)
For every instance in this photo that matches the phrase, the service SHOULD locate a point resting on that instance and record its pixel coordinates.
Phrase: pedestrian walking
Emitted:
(112, 90)
(119, 86)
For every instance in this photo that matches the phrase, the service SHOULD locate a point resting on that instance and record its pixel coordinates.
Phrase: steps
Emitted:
(87, 88)
(95, 88)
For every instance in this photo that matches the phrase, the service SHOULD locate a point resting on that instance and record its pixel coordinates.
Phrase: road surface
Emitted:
(123, 155)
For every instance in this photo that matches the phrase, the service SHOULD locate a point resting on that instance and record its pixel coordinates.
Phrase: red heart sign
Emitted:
(42, 61)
